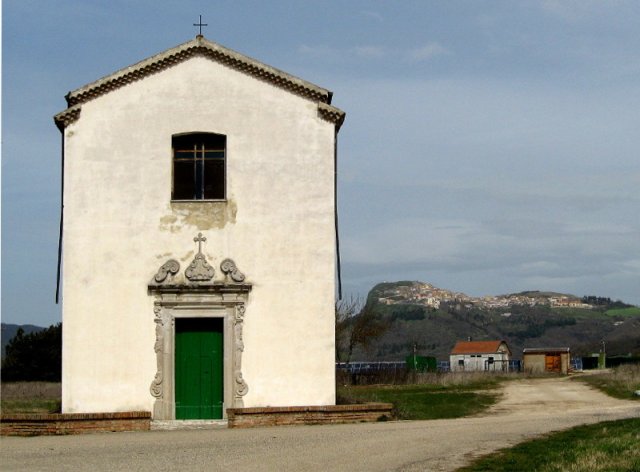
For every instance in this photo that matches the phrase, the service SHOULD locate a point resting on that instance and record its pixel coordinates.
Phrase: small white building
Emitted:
(198, 237)
(469, 356)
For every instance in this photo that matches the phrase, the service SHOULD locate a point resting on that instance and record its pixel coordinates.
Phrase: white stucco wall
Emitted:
(479, 362)
(120, 226)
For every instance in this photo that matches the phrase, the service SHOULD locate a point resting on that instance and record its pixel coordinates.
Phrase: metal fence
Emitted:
(369, 367)
(362, 367)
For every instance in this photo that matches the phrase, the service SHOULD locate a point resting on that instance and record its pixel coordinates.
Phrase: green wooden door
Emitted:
(198, 375)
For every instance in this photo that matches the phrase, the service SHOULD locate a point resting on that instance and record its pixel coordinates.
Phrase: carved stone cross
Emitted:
(199, 239)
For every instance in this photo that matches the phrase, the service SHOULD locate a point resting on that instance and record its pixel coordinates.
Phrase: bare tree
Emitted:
(346, 310)
(356, 325)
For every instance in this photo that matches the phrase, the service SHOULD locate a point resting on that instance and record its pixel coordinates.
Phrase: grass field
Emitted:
(620, 382)
(579, 313)
(445, 396)
(631, 311)
(30, 397)
(612, 446)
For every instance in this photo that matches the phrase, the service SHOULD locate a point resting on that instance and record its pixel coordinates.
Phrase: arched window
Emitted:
(199, 166)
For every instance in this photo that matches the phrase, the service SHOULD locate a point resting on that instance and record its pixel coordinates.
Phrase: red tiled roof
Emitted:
(476, 347)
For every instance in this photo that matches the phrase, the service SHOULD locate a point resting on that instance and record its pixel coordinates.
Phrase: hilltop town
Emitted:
(422, 293)
(420, 314)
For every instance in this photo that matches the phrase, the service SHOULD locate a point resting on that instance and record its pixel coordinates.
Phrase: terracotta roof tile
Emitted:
(476, 347)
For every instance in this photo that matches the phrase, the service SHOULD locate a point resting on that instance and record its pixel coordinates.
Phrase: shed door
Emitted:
(552, 363)
(199, 365)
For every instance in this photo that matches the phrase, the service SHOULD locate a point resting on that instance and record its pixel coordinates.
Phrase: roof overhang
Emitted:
(479, 347)
(542, 350)
(204, 48)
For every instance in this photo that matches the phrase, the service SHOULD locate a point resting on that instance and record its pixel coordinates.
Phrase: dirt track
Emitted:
(527, 408)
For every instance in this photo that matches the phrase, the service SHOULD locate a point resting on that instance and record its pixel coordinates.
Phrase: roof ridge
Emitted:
(200, 46)
(466, 346)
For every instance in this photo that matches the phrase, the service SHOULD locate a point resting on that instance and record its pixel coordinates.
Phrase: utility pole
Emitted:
(602, 359)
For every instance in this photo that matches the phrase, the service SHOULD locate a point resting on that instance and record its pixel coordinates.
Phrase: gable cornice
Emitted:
(65, 118)
(331, 114)
(196, 47)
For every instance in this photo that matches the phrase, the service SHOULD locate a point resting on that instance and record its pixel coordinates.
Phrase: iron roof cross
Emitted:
(200, 24)
(199, 239)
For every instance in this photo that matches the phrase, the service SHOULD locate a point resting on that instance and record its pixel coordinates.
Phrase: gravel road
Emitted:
(527, 408)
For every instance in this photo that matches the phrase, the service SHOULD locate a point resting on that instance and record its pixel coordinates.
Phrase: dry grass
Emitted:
(30, 397)
(442, 379)
(620, 382)
(422, 402)
(423, 396)
(462, 379)
(31, 390)
(627, 376)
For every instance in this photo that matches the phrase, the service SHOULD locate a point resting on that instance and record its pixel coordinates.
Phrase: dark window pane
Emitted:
(199, 180)
(213, 154)
(184, 141)
(181, 154)
(214, 179)
(199, 166)
(183, 181)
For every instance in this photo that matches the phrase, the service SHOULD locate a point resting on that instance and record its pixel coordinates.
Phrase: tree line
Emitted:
(34, 356)
(604, 302)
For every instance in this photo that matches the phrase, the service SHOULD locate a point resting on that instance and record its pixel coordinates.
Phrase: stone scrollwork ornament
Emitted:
(240, 313)
(229, 269)
(171, 267)
(241, 387)
(199, 270)
(156, 384)
(195, 293)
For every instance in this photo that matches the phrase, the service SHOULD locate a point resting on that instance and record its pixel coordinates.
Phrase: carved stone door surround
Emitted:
(197, 295)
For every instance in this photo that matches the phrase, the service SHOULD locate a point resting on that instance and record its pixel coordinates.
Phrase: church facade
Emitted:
(198, 237)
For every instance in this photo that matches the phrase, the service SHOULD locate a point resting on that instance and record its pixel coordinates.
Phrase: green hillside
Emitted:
(630, 311)
(435, 330)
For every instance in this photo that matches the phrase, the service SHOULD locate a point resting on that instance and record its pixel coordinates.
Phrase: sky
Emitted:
(490, 147)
